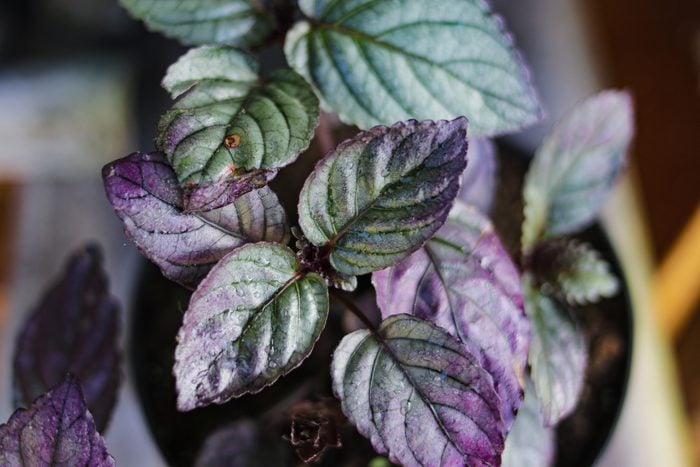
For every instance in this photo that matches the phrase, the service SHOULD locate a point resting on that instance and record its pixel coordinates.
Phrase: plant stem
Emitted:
(351, 307)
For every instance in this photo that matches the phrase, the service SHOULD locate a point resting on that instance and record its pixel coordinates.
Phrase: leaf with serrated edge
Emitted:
(75, 328)
(464, 281)
(230, 132)
(253, 319)
(145, 194)
(574, 270)
(381, 61)
(418, 394)
(57, 429)
(240, 23)
(380, 195)
(530, 443)
(480, 178)
(576, 167)
(558, 355)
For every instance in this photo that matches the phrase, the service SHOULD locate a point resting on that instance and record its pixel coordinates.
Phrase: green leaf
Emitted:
(381, 61)
(558, 355)
(231, 131)
(530, 443)
(379, 196)
(240, 23)
(253, 319)
(576, 167)
(574, 271)
(418, 394)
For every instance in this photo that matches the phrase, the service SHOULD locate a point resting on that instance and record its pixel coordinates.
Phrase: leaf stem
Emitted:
(352, 308)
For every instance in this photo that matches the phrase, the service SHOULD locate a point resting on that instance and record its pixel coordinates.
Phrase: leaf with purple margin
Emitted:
(418, 394)
(231, 131)
(558, 354)
(254, 318)
(464, 281)
(479, 180)
(243, 443)
(145, 194)
(74, 329)
(57, 430)
(376, 62)
(530, 443)
(380, 195)
(576, 167)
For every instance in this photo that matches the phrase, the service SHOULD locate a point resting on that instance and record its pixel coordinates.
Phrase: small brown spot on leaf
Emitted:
(232, 141)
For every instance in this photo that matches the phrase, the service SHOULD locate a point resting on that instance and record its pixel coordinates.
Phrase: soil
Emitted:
(159, 305)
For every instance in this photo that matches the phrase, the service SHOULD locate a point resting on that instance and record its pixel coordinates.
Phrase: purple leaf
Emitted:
(479, 180)
(145, 194)
(57, 430)
(418, 394)
(254, 318)
(379, 196)
(558, 355)
(464, 281)
(315, 428)
(530, 443)
(74, 329)
(576, 167)
(241, 444)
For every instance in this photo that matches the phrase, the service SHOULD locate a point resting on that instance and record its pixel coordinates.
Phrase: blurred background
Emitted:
(79, 88)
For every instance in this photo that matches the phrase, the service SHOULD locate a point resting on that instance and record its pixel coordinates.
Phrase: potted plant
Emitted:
(442, 340)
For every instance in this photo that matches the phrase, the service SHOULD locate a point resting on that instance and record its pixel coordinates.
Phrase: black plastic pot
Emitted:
(159, 305)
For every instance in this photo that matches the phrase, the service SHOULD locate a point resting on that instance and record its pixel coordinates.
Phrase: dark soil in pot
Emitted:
(159, 305)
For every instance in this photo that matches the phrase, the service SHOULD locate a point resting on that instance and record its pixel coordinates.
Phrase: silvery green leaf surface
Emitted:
(75, 328)
(240, 23)
(574, 271)
(55, 430)
(530, 443)
(380, 195)
(558, 354)
(463, 280)
(145, 194)
(230, 131)
(375, 62)
(480, 177)
(576, 166)
(418, 394)
(254, 318)
(243, 443)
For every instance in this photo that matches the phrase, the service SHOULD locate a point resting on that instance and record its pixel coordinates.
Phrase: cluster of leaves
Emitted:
(465, 335)
(67, 370)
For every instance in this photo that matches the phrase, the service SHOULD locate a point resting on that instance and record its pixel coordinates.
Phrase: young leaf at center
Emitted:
(463, 280)
(230, 131)
(382, 61)
(418, 394)
(379, 196)
(254, 318)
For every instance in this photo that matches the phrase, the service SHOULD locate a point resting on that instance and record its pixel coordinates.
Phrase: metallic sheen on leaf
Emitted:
(254, 318)
(463, 280)
(418, 394)
(230, 131)
(380, 195)
(376, 62)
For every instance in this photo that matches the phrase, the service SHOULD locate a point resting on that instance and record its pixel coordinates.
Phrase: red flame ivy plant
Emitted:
(475, 360)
